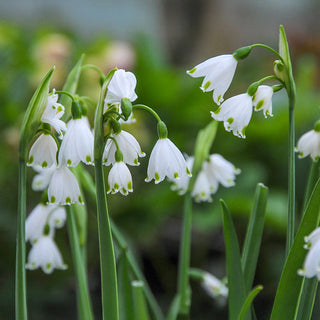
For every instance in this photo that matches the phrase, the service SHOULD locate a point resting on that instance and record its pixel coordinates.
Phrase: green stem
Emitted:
(291, 175)
(144, 107)
(268, 48)
(66, 93)
(312, 180)
(109, 290)
(184, 259)
(20, 280)
(84, 304)
(95, 68)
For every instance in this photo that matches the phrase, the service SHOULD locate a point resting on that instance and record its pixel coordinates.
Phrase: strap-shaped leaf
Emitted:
(290, 283)
(248, 302)
(254, 233)
(140, 305)
(236, 283)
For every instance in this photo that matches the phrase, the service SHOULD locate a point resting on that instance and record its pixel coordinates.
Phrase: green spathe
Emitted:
(32, 119)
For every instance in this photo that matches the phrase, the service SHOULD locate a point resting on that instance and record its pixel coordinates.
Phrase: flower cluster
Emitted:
(123, 149)
(214, 171)
(312, 262)
(40, 229)
(236, 111)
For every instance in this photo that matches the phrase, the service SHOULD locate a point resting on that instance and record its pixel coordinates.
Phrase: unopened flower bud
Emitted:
(242, 53)
(126, 107)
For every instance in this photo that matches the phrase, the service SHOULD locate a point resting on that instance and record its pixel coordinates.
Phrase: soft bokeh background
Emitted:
(159, 40)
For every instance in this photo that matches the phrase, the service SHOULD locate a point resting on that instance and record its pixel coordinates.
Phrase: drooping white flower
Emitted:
(46, 255)
(311, 265)
(119, 179)
(36, 222)
(77, 144)
(236, 113)
(41, 181)
(129, 147)
(122, 85)
(43, 152)
(63, 187)
(202, 189)
(309, 144)
(166, 160)
(262, 100)
(52, 114)
(218, 169)
(57, 217)
(218, 73)
(213, 286)
(181, 185)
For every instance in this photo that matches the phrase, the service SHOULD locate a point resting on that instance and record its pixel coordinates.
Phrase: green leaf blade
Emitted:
(248, 302)
(236, 282)
(290, 283)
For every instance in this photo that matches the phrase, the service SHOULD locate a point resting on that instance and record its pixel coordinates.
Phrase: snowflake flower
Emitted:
(309, 144)
(119, 179)
(262, 100)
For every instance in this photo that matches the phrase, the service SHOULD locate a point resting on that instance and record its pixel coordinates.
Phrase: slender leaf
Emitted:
(290, 283)
(236, 282)
(84, 303)
(254, 233)
(174, 308)
(71, 86)
(140, 306)
(126, 302)
(248, 302)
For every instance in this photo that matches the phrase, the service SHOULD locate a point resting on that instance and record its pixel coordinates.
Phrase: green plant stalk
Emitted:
(122, 244)
(312, 180)
(20, 276)
(84, 303)
(110, 305)
(248, 302)
(184, 258)
(140, 306)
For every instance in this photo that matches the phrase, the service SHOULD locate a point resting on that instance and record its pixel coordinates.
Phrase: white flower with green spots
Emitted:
(63, 187)
(262, 100)
(41, 180)
(312, 262)
(45, 254)
(166, 160)
(218, 73)
(201, 191)
(213, 286)
(77, 144)
(122, 85)
(43, 152)
(119, 179)
(309, 144)
(129, 147)
(181, 185)
(235, 113)
(53, 113)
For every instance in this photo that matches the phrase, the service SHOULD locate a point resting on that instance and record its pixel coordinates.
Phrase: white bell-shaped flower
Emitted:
(119, 179)
(309, 144)
(213, 286)
(236, 113)
(262, 100)
(63, 187)
(46, 255)
(36, 222)
(218, 73)
(218, 169)
(43, 152)
(129, 147)
(122, 85)
(77, 144)
(166, 160)
(41, 181)
(202, 189)
(53, 113)
(57, 217)
(311, 265)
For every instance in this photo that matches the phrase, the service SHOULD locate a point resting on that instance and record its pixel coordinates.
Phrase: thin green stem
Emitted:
(84, 303)
(144, 107)
(184, 259)
(95, 68)
(312, 180)
(291, 176)
(20, 278)
(268, 48)
(109, 290)
(66, 93)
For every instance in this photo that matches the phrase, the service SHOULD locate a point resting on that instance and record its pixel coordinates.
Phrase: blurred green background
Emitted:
(158, 41)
